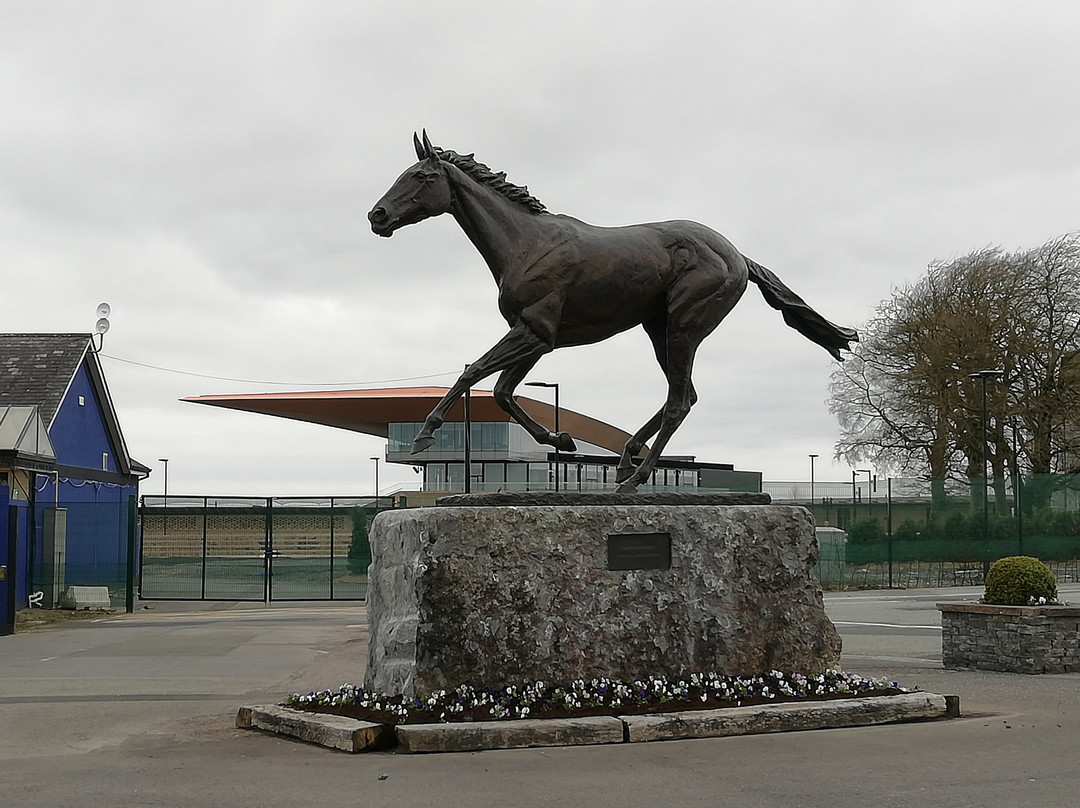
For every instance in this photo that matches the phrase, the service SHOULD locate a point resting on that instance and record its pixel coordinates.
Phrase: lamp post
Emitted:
(555, 386)
(984, 375)
(854, 499)
(376, 459)
(165, 494)
(468, 438)
(812, 457)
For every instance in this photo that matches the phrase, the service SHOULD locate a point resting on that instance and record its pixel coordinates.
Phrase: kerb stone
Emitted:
(765, 718)
(509, 734)
(331, 731)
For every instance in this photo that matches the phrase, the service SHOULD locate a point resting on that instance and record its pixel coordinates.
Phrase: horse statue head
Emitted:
(421, 192)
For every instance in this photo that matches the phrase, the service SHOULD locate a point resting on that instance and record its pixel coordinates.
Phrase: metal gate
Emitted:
(255, 548)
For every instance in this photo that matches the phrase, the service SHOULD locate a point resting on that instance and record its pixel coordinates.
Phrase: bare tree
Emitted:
(905, 401)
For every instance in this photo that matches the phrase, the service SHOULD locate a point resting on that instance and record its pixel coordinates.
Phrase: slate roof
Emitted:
(38, 368)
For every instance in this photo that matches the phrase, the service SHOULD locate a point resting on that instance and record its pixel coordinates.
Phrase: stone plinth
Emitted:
(1015, 639)
(497, 595)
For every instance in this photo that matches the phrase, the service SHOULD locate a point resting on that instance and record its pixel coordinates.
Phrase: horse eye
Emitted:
(423, 176)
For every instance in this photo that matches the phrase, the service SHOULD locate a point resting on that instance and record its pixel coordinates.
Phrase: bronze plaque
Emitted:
(639, 551)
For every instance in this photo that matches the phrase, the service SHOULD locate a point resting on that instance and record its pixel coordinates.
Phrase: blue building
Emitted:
(67, 483)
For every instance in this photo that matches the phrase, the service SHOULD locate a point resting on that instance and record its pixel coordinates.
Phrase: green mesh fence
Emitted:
(255, 549)
(914, 533)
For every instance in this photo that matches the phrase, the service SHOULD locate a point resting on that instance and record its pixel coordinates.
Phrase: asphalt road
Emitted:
(138, 710)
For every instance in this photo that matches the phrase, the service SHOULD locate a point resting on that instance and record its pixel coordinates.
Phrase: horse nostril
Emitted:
(377, 215)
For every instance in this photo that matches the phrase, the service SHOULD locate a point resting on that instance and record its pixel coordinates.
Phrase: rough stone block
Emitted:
(515, 734)
(784, 717)
(331, 731)
(497, 595)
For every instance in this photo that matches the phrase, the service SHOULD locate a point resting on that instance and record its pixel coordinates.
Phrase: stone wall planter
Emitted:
(1014, 639)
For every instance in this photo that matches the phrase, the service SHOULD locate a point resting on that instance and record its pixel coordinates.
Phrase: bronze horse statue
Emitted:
(564, 282)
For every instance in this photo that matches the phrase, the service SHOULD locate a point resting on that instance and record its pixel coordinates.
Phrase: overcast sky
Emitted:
(207, 167)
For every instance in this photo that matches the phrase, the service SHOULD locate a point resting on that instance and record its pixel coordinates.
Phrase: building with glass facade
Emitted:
(502, 455)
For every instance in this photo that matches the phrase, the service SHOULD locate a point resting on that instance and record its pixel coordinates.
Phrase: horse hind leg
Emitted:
(633, 446)
(697, 310)
(638, 440)
(656, 329)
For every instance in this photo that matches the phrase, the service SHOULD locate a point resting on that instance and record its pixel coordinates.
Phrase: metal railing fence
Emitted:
(255, 548)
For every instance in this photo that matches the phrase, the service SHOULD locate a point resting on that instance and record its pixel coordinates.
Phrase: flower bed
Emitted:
(699, 691)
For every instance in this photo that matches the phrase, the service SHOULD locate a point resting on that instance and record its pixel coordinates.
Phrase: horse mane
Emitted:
(518, 194)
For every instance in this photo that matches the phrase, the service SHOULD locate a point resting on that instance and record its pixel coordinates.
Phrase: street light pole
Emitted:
(376, 459)
(812, 458)
(468, 438)
(868, 473)
(555, 386)
(984, 375)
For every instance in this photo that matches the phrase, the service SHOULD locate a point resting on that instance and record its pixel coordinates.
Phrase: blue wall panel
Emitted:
(78, 431)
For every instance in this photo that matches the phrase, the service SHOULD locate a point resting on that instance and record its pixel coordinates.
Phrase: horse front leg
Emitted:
(504, 397)
(517, 346)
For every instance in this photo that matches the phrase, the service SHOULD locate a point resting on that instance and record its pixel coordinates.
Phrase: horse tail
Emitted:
(798, 315)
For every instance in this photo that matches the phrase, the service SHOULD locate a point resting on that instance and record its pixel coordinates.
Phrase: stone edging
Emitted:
(352, 735)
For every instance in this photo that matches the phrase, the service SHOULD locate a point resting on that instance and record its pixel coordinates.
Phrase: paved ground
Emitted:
(138, 710)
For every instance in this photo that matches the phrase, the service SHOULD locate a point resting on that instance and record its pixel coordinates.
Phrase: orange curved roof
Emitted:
(371, 411)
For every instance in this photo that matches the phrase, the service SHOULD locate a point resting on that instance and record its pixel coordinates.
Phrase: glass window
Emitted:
(401, 436)
(451, 438)
(539, 476)
(494, 473)
(435, 477)
(455, 476)
(516, 476)
(494, 436)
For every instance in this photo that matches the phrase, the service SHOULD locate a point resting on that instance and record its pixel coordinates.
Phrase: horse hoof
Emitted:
(422, 444)
(622, 475)
(565, 443)
(626, 488)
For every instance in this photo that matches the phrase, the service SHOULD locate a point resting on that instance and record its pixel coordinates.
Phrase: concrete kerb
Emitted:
(352, 735)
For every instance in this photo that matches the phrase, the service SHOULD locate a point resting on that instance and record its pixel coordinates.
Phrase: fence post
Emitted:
(268, 552)
(888, 526)
(11, 559)
(331, 548)
(129, 597)
(205, 516)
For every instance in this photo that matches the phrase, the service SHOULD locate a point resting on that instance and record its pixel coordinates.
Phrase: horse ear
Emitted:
(418, 146)
(428, 149)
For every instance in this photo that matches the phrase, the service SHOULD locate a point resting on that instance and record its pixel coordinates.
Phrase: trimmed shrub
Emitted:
(908, 530)
(1018, 581)
(865, 531)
